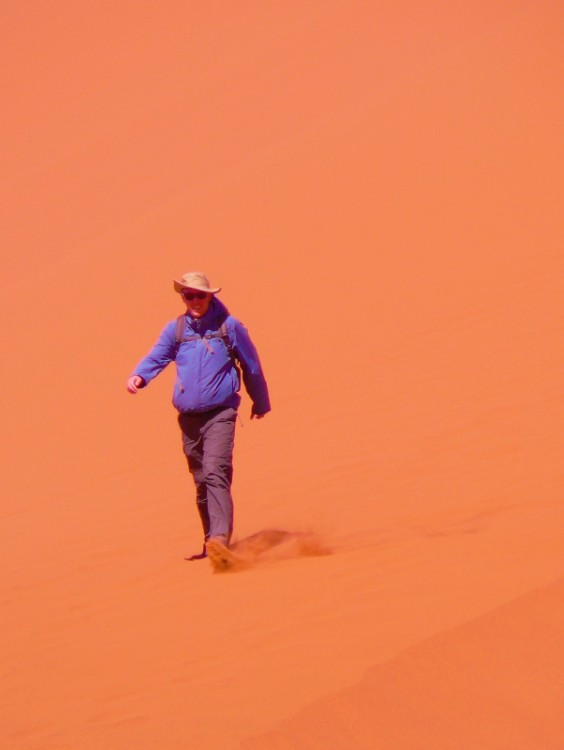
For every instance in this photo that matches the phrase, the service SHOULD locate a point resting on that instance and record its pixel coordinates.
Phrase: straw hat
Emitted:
(195, 280)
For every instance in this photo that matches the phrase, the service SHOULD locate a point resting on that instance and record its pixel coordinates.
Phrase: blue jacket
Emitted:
(206, 374)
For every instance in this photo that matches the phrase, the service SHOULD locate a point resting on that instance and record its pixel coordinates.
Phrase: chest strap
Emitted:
(221, 333)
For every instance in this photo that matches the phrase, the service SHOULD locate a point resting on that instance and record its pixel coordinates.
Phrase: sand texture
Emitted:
(377, 188)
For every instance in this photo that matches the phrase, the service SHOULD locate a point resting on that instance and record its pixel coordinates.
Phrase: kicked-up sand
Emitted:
(377, 188)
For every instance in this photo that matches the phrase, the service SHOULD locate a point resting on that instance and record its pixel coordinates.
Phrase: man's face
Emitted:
(197, 302)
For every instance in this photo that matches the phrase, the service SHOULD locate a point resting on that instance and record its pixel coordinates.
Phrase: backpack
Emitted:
(221, 333)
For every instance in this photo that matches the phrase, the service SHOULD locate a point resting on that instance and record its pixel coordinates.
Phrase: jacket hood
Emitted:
(216, 314)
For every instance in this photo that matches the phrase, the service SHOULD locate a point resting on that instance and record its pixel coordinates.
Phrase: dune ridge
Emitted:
(469, 687)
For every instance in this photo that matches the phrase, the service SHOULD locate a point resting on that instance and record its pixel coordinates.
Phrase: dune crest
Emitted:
(495, 682)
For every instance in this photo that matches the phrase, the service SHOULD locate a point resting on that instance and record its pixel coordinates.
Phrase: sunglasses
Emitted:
(188, 296)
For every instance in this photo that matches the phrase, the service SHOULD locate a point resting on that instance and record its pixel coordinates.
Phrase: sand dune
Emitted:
(469, 687)
(377, 188)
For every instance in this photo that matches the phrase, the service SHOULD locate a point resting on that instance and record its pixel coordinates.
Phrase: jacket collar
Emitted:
(211, 321)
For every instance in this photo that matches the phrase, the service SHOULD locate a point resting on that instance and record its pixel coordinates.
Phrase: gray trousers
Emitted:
(207, 439)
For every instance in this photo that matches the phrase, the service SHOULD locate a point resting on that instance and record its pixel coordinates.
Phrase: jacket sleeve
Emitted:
(161, 355)
(253, 376)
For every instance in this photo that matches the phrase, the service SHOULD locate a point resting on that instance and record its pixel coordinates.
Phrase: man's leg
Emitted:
(192, 443)
(217, 465)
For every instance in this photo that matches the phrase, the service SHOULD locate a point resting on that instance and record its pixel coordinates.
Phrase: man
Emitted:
(207, 344)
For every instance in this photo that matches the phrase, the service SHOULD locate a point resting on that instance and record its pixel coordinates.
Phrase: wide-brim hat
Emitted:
(195, 280)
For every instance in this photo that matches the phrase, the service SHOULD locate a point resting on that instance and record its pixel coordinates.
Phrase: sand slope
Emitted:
(377, 188)
(494, 682)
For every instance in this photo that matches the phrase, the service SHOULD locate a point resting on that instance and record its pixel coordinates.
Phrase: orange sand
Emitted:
(377, 187)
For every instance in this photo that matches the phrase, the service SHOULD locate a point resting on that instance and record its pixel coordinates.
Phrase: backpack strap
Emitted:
(179, 337)
(221, 333)
(180, 327)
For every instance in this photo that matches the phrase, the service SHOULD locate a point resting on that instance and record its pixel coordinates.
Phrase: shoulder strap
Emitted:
(221, 333)
(180, 326)
(179, 337)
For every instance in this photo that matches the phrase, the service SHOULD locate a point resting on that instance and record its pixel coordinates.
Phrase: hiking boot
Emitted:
(219, 539)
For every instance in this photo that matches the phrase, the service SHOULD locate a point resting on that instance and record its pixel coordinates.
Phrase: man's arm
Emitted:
(253, 376)
(161, 355)
(134, 383)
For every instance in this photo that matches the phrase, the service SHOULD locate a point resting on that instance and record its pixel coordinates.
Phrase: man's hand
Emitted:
(134, 383)
(256, 416)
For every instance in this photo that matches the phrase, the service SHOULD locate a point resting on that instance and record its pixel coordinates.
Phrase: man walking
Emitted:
(208, 345)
